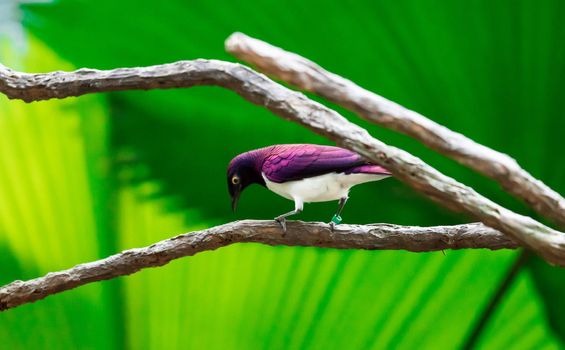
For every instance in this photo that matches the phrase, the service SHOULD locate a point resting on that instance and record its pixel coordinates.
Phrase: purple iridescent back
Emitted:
(282, 163)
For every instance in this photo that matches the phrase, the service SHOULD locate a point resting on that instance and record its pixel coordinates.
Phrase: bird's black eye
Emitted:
(235, 180)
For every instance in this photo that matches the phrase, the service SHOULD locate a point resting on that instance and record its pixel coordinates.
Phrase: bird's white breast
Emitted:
(327, 187)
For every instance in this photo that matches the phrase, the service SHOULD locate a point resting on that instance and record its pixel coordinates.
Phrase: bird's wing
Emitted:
(295, 162)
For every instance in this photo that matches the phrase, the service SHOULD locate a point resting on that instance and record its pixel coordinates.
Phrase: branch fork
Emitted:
(506, 228)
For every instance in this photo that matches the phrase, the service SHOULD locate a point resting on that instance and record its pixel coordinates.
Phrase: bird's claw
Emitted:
(282, 222)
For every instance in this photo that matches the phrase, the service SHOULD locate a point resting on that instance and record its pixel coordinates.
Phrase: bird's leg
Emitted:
(336, 220)
(281, 219)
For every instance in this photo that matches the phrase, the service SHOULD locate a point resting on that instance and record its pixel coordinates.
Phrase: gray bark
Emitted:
(309, 76)
(371, 237)
(294, 106)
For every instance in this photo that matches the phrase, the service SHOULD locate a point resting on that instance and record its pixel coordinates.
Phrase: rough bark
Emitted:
(294, 106)
(309, 76)
(371, 237)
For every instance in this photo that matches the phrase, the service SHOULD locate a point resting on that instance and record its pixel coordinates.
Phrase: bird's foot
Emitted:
(282, 222)
(336, 220)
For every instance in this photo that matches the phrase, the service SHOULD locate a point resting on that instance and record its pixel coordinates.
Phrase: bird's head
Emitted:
(243, 171)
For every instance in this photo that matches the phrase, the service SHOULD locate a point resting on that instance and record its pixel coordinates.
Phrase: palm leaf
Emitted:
(51, 180)
(483, 69)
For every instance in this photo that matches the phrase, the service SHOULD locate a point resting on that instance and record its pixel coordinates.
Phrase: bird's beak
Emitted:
(234, 200)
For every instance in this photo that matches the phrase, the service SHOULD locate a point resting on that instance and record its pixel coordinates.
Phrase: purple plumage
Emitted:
(302, 173)
(284, 163)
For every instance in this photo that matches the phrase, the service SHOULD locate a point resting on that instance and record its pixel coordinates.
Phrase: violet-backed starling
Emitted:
(303, 173)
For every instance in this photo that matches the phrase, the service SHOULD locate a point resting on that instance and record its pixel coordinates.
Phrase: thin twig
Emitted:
(309, 76)
(372, 237)
(292, 105)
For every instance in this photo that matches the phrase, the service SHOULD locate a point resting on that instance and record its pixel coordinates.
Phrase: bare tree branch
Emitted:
(372, 237)
(309, 76)
(294, 106)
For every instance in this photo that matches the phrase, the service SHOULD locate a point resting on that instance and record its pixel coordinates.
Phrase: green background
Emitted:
(86, 177)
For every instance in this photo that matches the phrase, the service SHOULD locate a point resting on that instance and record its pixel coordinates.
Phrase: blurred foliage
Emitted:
(83, 178)
(53, 176)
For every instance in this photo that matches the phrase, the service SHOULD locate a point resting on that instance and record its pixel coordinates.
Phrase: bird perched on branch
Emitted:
(303, 173)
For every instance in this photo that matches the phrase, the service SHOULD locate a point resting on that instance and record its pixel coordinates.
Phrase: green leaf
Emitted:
(492, 71)
(529, 325)
(50, 188)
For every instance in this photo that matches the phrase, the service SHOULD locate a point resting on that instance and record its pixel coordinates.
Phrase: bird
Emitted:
(303, 173)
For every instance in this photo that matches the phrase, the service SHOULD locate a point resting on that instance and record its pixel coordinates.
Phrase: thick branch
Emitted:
(372, 237)
(307, 75)
(294, 106)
